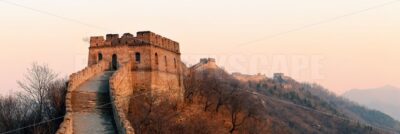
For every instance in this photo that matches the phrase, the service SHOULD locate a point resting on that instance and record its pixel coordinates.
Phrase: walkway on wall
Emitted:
(90, 115)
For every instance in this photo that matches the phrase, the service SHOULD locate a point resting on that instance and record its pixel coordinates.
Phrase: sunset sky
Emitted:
(340, 44)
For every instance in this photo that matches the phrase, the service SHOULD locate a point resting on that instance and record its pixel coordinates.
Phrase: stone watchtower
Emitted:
(156, 60)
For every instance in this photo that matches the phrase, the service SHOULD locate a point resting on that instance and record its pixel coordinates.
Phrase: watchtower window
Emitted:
(165, 59)
(156, 58)
(174, 62)
(100, 57)
(137, 57)
(114, 62)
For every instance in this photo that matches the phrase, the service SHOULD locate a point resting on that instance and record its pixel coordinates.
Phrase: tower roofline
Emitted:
(142, 37)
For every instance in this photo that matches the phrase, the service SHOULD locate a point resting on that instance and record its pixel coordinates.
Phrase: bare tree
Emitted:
(225, 90)
(142, 107)
(207, 96)
(43, 99)
(236, 110)
(163, 117)
(12, 113)
(218, 90)
(152, 114)
(191, 87)
(37, 84)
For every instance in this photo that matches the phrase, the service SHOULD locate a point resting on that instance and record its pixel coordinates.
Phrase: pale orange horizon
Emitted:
(361, 50)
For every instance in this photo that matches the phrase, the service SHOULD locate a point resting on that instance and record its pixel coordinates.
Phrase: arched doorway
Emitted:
(100, 57)
(114, 64)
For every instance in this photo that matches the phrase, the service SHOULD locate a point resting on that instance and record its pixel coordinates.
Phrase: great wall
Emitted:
(99, 96)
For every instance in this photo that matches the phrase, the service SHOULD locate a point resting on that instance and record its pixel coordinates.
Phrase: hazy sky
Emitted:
(335, 43)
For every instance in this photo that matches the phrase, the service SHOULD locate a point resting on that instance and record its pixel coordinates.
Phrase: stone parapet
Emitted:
(75, 80)
(120, 93)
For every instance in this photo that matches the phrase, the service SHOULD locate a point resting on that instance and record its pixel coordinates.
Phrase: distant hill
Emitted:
(296, 107)
(216, 102)
(355, 111)
(385, 99)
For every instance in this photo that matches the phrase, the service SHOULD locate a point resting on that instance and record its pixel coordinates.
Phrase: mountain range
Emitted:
(274, 105)
(385, 99)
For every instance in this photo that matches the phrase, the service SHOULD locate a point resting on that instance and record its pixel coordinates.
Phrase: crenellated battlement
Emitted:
(142, 38)
(158, 40)
(207, 60)
(96, 41)
(112, 37)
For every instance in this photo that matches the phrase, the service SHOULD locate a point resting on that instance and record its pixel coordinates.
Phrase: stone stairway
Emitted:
(91, 106)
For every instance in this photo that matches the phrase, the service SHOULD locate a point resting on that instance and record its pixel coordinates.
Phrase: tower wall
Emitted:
(167, 75)
(159, 68)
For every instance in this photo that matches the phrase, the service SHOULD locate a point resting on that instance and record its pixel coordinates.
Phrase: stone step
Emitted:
(91, 107)
(89, 101)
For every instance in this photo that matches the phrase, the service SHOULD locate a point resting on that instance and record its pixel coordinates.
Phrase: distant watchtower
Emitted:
(156, 59)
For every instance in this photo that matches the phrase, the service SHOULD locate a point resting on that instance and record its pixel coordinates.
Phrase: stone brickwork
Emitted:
(156, 62)
(75, 80)
(146, 62)
(205, 63)
(249, 78)
(145, 42)
(121, 91)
